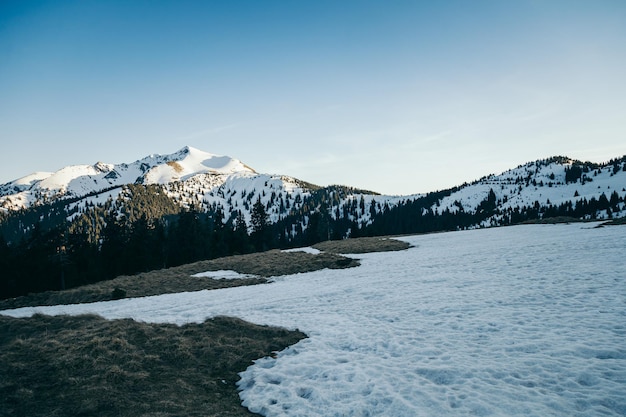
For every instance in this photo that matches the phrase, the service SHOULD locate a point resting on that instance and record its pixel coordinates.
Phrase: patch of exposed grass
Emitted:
(362, 245)
(179, 279)
(554, 220)
(177, 167)
(165, 281)
(274, 263)
(565, 219)
(86, 366)
(615, 222)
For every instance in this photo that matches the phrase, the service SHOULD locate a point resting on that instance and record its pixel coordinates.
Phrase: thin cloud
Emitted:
(424, 140)
(207, 132)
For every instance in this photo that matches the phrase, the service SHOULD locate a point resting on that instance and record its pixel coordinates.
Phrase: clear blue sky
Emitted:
(398, 97)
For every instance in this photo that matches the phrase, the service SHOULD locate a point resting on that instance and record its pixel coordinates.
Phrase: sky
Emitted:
(398, 97)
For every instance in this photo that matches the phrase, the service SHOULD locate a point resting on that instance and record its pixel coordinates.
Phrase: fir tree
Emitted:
(258, 218)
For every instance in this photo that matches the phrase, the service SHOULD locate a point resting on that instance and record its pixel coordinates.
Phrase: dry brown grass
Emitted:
(362, 245)
(179, 279)
(176, 166)
(565, 219)
(89, 366)
(554, 220)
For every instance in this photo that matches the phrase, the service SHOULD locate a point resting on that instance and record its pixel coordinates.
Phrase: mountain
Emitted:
(536, 191)
(94, 222)
(545, 185)
(83, 180)
(207, 182)
(189, 178)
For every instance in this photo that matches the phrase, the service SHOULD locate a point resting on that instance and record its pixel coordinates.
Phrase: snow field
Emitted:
(515, 321)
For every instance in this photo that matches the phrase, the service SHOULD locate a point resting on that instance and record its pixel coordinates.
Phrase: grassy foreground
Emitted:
(89, 366)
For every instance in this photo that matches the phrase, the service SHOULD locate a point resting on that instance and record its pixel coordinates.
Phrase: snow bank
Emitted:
(309, 249)
(222, 274)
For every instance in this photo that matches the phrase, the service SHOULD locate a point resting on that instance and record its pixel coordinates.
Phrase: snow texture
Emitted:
(308, 249)
(513, 321)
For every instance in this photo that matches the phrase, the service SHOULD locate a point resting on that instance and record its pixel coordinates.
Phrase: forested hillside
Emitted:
(68, 241)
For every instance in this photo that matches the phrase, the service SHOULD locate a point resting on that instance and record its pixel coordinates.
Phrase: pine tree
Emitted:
(259, 226)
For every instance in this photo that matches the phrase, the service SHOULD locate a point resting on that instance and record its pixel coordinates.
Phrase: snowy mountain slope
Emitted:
(191, 178)
(81, 180)
(238, 192)
(280, 194)
(545, 182)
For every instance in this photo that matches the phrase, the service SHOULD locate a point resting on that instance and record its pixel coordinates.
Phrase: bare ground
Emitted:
(89, 366)
(362, 245)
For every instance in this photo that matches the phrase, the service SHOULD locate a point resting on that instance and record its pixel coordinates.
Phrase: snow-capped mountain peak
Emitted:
(80, 180)
(188, 162)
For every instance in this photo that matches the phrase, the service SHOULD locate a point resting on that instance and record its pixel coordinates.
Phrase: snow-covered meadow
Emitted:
(515, 321)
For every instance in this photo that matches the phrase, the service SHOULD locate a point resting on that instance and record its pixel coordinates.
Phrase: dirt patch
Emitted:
(362, 245)
(86, 365)
(176, 166)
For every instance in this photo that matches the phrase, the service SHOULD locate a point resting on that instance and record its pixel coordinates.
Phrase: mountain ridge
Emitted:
(190, 206)
(194, 178)
(79, 180)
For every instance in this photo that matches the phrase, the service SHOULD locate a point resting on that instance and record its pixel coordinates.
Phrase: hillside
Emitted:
(548, 184)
